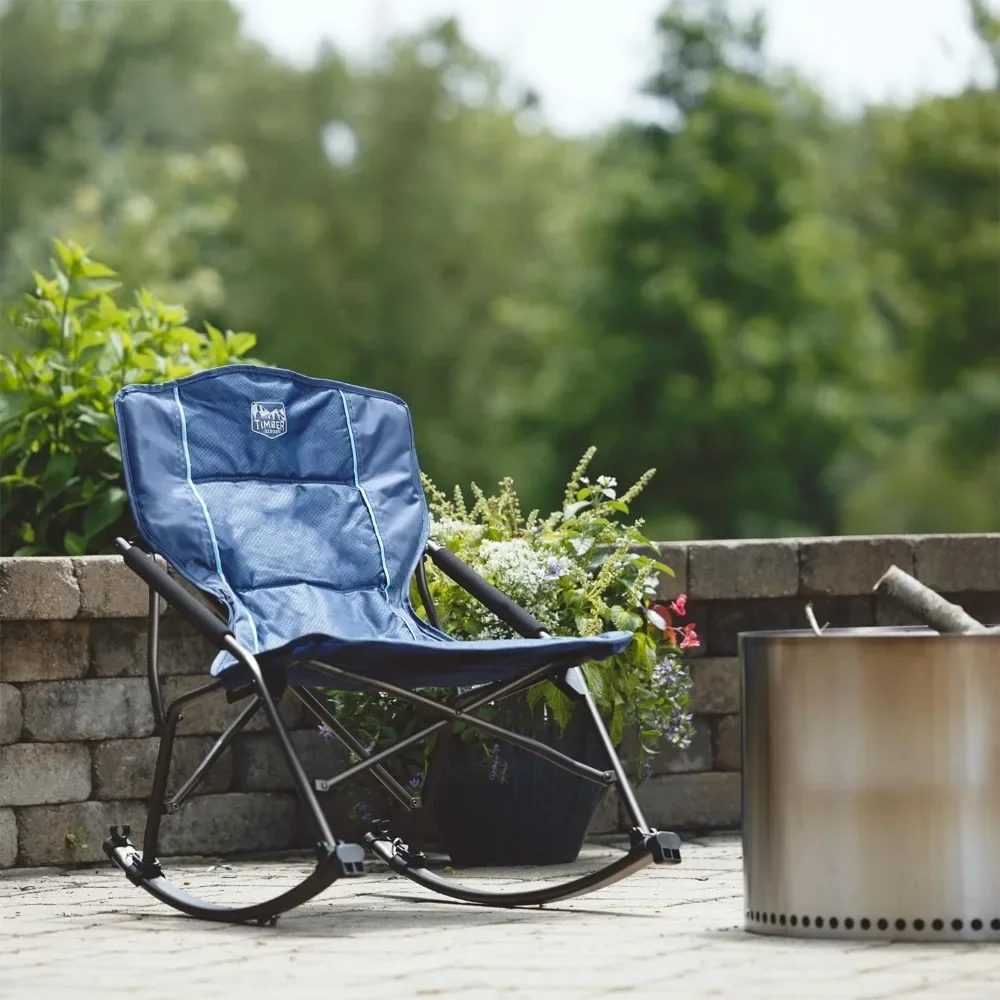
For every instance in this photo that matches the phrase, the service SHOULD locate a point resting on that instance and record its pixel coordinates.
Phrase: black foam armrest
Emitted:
(496, 600)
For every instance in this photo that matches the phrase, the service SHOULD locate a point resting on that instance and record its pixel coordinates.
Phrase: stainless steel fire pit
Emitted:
(871, 784)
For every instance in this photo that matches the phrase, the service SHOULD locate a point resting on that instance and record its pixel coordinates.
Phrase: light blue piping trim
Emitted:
(371, 512)
(361, 490)
(208, 519)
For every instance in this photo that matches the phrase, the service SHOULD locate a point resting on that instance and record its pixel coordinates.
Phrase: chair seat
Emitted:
(429, 663)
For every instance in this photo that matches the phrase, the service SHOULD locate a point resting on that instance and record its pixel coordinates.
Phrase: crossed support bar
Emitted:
(455, 714)
(336, 859)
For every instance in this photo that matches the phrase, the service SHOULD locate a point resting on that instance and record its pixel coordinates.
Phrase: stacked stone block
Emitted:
(77, 747)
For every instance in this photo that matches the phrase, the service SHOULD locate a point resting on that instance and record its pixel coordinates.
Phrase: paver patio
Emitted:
(668, 932)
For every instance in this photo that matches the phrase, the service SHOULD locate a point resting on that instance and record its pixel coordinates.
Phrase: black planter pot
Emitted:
(516, 808)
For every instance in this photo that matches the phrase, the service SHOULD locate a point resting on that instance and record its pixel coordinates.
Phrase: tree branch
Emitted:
(927, 605)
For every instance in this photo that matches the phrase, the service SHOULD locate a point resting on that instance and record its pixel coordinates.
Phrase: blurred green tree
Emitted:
(795, 315)
(392, 217)
(377, 223)
(924, 193)
(728, 334)
(109, 135)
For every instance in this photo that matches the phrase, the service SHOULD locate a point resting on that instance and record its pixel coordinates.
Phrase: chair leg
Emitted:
(157, 797)
(334, 858)
(576, 679)
(326, 845)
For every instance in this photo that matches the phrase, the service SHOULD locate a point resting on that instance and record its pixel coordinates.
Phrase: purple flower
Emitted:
(498, 766)
(553, 569)
(325, 732)
(417, 781)
(678, 729)
(666, 673)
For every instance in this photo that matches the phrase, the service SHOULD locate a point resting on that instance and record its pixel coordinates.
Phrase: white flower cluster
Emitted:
(445, 528)
(518, 569)
(522, 573)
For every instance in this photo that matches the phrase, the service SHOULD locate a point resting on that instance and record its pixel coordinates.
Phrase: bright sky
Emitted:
(586, 58)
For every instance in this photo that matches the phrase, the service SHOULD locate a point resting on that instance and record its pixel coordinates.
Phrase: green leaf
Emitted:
(67, 257)
(625, 621)
(57, 474)
(219, 352)
(617, 728)
(90, 354)
(186, 337)
(74, 544)
(89, 289)
(105, 508)
(240, 343)
(13, 404)
(595, 680)
(94, 269)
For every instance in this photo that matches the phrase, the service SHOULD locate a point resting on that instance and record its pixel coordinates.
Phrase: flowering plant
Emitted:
(579, 571)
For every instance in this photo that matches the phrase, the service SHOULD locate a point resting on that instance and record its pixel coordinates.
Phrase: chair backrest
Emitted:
(296, 501)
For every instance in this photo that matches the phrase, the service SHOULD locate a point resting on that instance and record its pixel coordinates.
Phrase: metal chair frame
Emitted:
(336, 858)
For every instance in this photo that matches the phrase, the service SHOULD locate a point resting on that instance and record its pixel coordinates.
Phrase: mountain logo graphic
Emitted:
(268, 419)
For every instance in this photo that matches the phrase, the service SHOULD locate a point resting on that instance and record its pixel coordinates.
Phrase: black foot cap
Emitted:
(119, 838)
(123, 853)
(401, 851)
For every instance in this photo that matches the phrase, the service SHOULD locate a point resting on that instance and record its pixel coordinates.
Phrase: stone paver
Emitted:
(743, 568)
(39, 587)
(673, 932)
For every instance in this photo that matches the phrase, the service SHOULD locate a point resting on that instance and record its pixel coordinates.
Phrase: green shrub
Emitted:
(61, 487)
(581, 570)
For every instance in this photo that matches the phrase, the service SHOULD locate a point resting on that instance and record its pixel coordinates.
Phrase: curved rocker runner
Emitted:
(297, 504)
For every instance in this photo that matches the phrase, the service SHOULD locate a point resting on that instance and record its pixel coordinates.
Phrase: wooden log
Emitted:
(927, 605)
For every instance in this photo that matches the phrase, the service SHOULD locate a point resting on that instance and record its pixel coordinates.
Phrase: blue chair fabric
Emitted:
(296, 502)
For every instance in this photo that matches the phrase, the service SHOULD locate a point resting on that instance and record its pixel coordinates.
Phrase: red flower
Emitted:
(690, 638)
(661, 617)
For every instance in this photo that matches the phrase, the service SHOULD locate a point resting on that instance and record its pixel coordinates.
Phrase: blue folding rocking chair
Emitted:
(296, 503)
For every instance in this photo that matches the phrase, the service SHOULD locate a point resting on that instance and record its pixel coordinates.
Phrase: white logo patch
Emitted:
(268, 419)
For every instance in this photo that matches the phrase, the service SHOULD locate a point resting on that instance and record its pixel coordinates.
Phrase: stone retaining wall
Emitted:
(76, 730)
